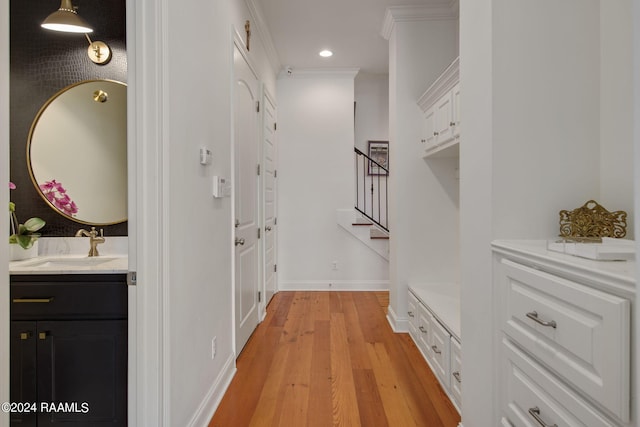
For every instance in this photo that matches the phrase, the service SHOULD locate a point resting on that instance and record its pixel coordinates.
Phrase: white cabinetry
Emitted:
(440, 104)
(564, 337)
(434, 325)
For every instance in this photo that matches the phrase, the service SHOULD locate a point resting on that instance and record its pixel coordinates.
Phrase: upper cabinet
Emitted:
(441, 106)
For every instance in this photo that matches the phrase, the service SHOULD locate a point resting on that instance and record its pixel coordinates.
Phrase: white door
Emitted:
(269, 152)
(247, 250)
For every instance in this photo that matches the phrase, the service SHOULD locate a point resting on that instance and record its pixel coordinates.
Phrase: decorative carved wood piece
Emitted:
(592, 222)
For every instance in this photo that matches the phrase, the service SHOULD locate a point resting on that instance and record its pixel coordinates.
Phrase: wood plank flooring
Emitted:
(331, 359)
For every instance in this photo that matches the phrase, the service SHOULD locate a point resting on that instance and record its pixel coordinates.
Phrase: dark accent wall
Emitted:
(42, 63)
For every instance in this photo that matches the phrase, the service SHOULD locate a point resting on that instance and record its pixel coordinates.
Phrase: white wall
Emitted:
(372, 109)
(316, 178)
(423, 195)
(616, 107)
(198, 246)
(476, 224)
(531, 104)
(546, 119)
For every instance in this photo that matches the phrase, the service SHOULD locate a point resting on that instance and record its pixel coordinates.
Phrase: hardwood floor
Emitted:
(331, 359)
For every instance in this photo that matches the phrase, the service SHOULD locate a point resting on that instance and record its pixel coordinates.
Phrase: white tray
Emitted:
(609, 250)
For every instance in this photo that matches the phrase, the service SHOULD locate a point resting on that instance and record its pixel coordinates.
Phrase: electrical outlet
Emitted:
(334, 265)
(213, 348)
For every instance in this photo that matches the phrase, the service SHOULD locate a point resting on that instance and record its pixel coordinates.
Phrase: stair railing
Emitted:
(372, 188)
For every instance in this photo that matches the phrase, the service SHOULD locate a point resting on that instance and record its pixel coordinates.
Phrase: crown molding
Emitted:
(313, 73)
(261, 26)
(432, 12)
(444, 83)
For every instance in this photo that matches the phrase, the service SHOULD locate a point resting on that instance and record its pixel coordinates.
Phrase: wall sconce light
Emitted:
(66, 19)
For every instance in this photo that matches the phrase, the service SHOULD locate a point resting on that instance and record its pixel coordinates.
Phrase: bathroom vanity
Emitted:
(68, 352)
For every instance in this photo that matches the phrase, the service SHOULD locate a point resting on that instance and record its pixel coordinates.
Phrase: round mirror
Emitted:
(77, 152)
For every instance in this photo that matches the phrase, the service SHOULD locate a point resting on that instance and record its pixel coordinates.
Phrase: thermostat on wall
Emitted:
(221, 187)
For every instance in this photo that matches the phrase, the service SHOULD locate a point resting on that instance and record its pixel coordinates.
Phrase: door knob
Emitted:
(239, 242)
(267, 228)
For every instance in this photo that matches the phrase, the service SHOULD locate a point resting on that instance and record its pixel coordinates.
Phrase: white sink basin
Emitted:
(67, 262)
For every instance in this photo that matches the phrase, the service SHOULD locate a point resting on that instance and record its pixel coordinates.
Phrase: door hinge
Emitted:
(275, 221)
(259, 296)
(258, 232)
(275, 173)
(257, 106)
(275, 268)
(275, 126)
(258, 169)
(132, 278)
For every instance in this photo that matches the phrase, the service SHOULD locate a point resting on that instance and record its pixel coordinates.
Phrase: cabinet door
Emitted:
(456, 372)
(23, 370)
(444, 119)
(455, 99)
(430, 128)
(83, 364)
(439, 351)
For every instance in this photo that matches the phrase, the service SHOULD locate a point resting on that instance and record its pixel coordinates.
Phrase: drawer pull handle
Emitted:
(422, 329)
(534, 316)
(42, 335)
(456, 375)
(435, 349)
(32, 300)
(25, 335)
(535, 413)
(410, 313)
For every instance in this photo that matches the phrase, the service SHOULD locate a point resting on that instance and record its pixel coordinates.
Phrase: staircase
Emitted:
(375, 232)
(372, 185)
(364, 230)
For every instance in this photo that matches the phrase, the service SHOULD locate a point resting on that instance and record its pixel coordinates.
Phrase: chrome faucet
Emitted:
(94, 240)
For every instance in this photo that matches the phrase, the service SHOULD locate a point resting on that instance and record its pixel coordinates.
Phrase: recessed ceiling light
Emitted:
(325, 53)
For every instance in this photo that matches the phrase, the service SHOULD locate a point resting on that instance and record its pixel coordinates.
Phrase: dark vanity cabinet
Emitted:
(68, 351)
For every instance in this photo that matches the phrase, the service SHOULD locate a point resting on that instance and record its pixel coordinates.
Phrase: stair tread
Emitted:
(362, 223)
(380, 237)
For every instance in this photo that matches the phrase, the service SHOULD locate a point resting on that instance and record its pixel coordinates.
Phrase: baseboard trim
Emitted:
(334, 285)
(398, 324)
(208, 407)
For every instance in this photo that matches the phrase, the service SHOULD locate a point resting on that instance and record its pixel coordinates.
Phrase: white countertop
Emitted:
(71, 264)
(68, 255)
(443, 300)
(619, 270)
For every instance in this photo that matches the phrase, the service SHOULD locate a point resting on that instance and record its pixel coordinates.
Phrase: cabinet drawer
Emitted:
(424, 330)
(412, 312)
(439, 351)
(456, 372)
(532, 391)
(579, 332)
(60, 298)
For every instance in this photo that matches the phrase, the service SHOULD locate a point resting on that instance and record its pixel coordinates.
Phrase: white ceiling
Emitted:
(350, 28)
